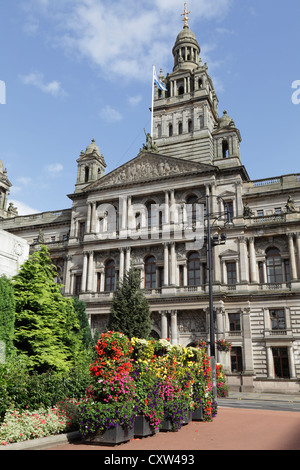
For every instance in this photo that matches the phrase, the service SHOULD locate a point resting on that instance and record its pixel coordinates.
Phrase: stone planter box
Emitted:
(197, 415)
(142, 427)
(111, 437)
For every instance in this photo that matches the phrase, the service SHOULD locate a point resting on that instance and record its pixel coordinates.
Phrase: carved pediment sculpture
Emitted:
(149, 166)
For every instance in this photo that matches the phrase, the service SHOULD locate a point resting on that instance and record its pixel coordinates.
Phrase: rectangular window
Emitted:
(52, 239)
(277, 210)
(81, 229)
(287, 270)
(229, 210)
(77, 285)
(231, 273)
(281, 362)
(261, 272)
(160, 276)
(277, 317)
(260, 213)
(236, 359)
(234, 322)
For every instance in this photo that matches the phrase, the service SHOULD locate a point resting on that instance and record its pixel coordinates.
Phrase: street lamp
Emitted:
(212, 241)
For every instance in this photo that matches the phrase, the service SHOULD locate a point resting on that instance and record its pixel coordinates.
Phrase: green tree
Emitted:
(46, 326)
(85, 330)
(130, 311)
(7, 312)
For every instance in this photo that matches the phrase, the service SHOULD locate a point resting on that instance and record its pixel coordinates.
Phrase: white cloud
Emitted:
(23, 209)
(37, 79)
(123, 37)
(110, 114)
(134, 100)
(55, 168)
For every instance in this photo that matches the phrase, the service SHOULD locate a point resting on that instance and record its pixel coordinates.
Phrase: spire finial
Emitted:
(185, 14)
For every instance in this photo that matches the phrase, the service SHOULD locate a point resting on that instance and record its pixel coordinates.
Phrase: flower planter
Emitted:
(197, 414)
(111, 437)
(187, 418)
(142, 427)
(166, 425)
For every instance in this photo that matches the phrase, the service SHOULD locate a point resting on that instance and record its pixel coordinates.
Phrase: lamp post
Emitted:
(210, 244)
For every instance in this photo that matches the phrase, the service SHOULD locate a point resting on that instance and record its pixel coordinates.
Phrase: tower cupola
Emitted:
(186, 49)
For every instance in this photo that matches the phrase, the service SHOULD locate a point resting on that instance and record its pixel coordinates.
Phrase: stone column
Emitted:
(253, 265)
(127, 259)
(270, 363)
(248, 359)
(102, 279)
(164, 324)
(67, 275)
(291, 363)
(167, 208)
(298, 251)
(94, 217)
(90, 272)
(122, 264)
(88, 219)
(244, 265)
(166, 264)
(173, 265)
(239, 200)
(292, 257)
(84, 272)
(174, 333)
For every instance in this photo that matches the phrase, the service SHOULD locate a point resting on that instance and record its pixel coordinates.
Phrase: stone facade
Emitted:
(256, 274)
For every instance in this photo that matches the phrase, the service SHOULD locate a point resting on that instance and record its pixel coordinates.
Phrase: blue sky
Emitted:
(77, 70)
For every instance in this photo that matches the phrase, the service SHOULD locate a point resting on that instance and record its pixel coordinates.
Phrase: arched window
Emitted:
(150, 273)
(193, 267)
(180, 128)
(190, 125)
(110, 276)
(274, 266)
(225, 149)
(170, 130)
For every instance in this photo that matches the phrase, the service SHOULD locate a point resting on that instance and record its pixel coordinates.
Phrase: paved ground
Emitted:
(232, 429)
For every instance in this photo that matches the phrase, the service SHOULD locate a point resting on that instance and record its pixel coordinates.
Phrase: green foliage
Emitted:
(7, 312)
(46, 326)
(85, 329)
(130, 312)
(23, 389)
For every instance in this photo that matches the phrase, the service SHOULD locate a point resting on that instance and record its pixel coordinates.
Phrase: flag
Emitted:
(158, 81)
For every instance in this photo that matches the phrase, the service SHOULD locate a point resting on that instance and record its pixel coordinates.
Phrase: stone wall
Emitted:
(14, 252)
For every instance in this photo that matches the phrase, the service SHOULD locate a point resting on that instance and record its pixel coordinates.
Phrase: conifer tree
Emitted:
(130, 311)
(46, 326)
(85, 329)
(7, 313)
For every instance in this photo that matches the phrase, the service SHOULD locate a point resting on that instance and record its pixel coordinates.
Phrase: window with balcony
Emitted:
(193, 266)
(231, 272)
(234, 322)
(274, 266)
(150, 273)
(110, 276)
(277, 317)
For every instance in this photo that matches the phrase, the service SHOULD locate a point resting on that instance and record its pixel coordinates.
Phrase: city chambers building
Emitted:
(151, 213)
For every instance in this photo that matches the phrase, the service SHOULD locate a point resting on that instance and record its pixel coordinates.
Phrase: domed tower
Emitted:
(91, 167)
(5, 186)
(184, 116)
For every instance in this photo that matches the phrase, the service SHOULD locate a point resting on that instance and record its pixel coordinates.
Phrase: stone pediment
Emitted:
(229, 254)
(148, 167)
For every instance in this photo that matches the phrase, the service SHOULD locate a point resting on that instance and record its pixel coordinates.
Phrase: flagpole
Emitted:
(152, 100)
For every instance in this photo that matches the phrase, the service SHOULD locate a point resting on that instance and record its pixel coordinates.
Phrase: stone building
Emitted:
(151, 212)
